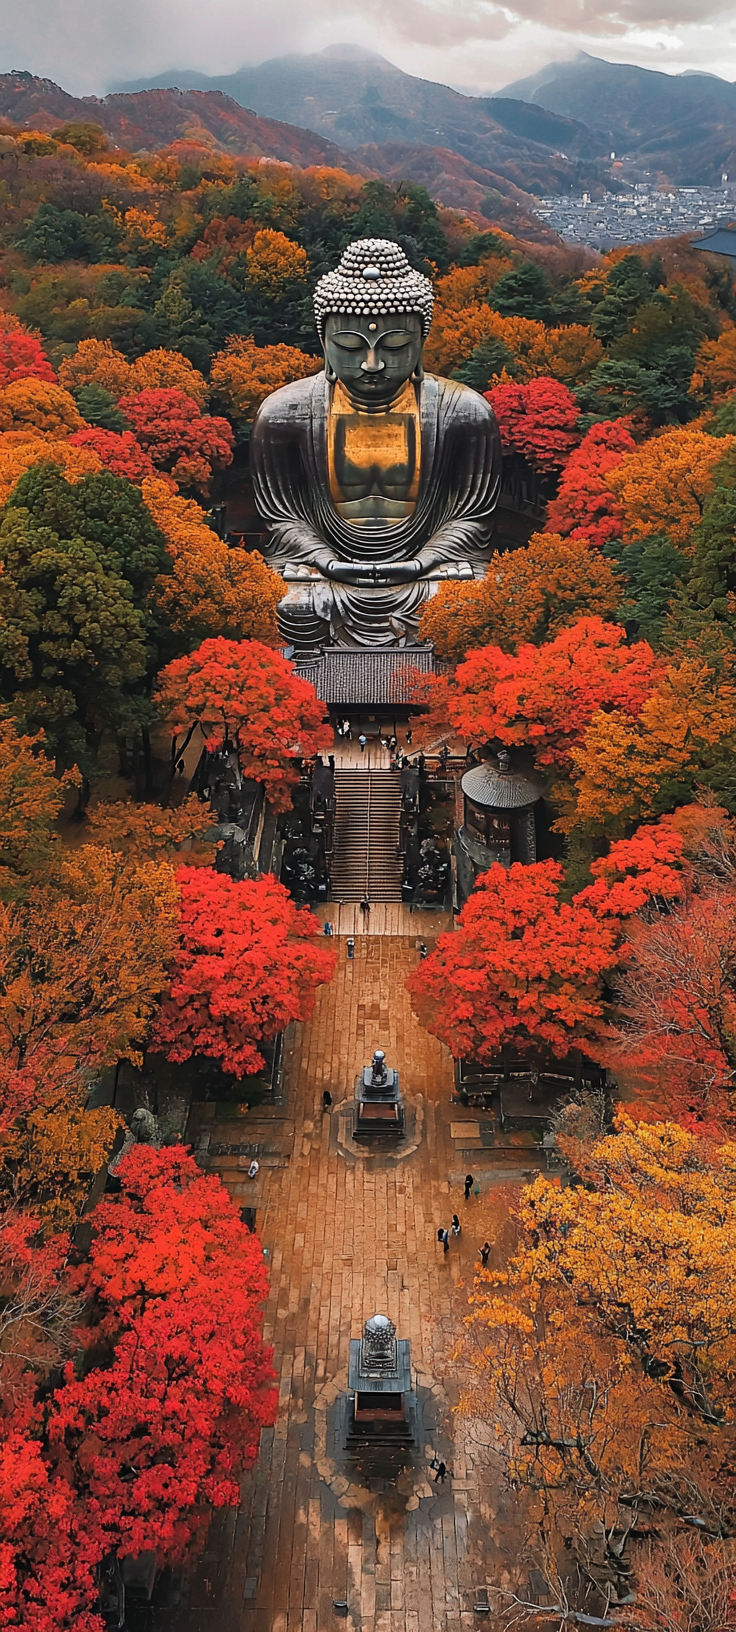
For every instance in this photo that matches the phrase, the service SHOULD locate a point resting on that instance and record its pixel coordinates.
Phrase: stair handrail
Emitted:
(368, 842)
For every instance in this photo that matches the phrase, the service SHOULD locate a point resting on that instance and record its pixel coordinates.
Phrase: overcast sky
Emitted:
(85, 45)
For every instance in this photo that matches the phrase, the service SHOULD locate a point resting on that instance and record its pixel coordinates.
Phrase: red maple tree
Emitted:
(181, 440)
(245, 696)
(522, 967)
(545, 696)
(161, 1410)
(538, 420)
(119, 453)
(22, 356)
(248, 964)
(676, 1010)
(179, 1382)
(585, 506)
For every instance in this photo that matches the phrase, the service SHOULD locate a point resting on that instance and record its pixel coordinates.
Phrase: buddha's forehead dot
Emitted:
(372, 327)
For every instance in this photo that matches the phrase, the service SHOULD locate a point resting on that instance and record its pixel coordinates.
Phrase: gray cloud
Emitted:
(86, 44)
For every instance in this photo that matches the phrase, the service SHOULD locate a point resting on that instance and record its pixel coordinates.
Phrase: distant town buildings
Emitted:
(643, 213)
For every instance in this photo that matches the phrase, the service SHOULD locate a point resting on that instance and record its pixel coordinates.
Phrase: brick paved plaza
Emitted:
(349, 1234)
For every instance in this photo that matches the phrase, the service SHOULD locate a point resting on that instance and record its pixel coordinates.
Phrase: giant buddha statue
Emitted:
(376, 481)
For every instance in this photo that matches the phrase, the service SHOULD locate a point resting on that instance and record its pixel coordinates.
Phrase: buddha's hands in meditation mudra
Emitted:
(377, 573)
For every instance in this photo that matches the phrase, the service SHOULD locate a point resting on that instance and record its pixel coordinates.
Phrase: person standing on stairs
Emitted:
(362, 739)
(365, 909)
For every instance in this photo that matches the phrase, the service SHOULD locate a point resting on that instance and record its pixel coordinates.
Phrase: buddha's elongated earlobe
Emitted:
(330, 374)
(418, 373)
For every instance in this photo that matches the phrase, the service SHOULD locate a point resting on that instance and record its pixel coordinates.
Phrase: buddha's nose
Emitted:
(372, 364)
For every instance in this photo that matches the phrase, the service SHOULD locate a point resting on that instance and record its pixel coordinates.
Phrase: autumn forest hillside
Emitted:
(150, 299)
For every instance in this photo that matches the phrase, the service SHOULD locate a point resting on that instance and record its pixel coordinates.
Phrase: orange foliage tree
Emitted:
(210, 588)
(84, 957)
(19, 455)
(96, 362)
(31, 797)
(544, 697)
(585, 505)
(162, 370)
(538, 420)
(246, 696)
(522, 967)
(634, 764)
(244, 374)
(715, 367)
(247, 965)
(662, 487)
(526, 595)
(34, 405)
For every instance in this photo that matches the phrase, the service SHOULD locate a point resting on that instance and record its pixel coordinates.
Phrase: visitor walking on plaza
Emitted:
(441, 1473)
(408, 738)
(444, 1237)
(254, 1169)
(347, 730)
(365, 908)
(469, 1182)
(456, 1226)
(350, 945)
(485, 1254)
(326, 1099)
(362, 739)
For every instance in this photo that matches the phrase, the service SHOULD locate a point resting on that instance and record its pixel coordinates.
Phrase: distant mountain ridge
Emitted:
(550, 132)
(682, 124)
(157, 118)
(356, 98)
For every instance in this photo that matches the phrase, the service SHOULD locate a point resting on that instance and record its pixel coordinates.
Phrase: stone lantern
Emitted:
(378, 1103)
(498, 818)
(379, 1378)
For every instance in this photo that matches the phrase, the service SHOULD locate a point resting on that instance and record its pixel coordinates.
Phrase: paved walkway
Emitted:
(351, 1234)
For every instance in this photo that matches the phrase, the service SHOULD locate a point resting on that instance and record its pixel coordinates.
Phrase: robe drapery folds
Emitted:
(453, 519)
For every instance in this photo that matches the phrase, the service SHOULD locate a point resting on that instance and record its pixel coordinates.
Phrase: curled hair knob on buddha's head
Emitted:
(374, 275)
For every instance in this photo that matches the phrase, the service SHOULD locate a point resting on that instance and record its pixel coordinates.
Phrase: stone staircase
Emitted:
(366, 858)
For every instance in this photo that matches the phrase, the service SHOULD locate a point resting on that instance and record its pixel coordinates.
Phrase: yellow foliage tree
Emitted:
(143, 230)
(211, 589)
(84, 959)
(274, 261)
(18, 454)
(602, 1359)
(526, 595)
(629, 770)
(163, 370)
(146, 830)
(715, 367)
(49, 1157)
(31, 797)
(568, 354)
(244, 374)
(36, 406)
(663, 485)
(96, 362)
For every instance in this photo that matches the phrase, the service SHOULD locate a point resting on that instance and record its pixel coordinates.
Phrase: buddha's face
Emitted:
(373, 355)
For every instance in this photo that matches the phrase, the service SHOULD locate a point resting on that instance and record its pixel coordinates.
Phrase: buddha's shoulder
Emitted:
(293, 402)
(461, 402)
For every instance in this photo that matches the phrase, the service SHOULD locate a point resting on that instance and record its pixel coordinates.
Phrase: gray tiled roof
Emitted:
(365, 678)
(720, 242)
(496, 790)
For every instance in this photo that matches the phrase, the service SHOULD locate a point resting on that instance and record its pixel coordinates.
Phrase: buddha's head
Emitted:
(373, 316)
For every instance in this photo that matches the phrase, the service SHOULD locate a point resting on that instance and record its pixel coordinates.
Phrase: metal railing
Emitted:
(368, 842)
